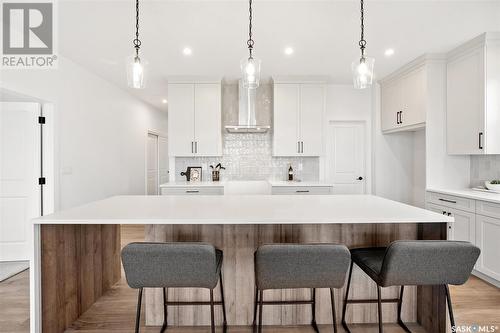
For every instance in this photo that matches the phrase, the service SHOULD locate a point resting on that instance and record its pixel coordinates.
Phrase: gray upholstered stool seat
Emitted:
(288, 266)
(419, 263)
(174, 265)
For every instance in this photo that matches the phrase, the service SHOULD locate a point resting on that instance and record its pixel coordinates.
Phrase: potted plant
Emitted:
(493, 185)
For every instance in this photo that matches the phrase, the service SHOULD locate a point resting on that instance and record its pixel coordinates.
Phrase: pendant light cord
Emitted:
(137, 41)
(362, 41)
(250, 41)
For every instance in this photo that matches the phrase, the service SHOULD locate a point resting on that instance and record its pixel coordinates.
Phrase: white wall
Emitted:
(344, 103)
(100, 131)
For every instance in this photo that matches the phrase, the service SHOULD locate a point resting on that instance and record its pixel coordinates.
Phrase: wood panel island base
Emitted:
(237, 225)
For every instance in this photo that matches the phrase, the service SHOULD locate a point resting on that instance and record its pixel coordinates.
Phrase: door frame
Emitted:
(159, 135)
(367, 150)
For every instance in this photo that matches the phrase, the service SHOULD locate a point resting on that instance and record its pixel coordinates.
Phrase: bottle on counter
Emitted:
(290, 173)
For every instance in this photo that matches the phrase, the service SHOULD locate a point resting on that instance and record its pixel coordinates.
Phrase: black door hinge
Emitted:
(41, 181)
(41, 120)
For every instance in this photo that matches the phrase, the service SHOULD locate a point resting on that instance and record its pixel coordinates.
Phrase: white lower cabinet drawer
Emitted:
(301, 190)
(487, 239)
(488, 209)
(451, 201)
(192, 190)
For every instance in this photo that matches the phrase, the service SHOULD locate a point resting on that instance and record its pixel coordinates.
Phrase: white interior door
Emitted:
(346, 157)
(19, 172)
(152, 164)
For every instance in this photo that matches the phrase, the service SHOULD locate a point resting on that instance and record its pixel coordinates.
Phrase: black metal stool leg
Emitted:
(212, 312)
(400, 306)
(450, 307)
(224, 323)
(313, 308)
(261, 305)
(165, 315)
(255, 307)
(379, 301)
(334, 314)
(138, 315)
(344, 308)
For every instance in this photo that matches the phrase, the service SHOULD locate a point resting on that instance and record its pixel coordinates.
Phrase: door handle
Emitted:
(480, 140)
(360, 178)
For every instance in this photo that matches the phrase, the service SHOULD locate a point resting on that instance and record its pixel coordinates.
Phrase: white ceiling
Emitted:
(324, 35)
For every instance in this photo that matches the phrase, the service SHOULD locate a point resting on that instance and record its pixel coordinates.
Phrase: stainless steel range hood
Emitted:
(247, 122)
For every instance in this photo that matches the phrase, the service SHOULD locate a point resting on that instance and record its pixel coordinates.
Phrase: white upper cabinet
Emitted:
(404, 97)
(473, 97)
(298, 119)
(194, 119)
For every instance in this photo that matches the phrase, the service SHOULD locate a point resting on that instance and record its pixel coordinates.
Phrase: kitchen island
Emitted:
(77, 252)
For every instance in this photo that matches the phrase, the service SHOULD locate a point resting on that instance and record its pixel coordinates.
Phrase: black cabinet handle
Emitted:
(400, 117)
(480, 140)
(449, 214)
(302, 191)
(444, 213)
(446, 200)
(397, 117)
(298, 147)
(192, 191)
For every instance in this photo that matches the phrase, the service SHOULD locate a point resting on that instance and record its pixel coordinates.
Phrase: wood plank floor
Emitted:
(476, 302)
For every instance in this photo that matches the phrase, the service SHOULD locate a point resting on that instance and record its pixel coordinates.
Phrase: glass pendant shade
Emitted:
(250, 71)
(362, 72)
(136, 69)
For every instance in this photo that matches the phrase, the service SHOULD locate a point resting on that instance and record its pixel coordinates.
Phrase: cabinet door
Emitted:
(207, 122)
(413, 101)
(312, 106)
(441, 210)
(180, 119)
(286, 120)
(487, 236)
(391, 95)
(465, 103)
(464, 227)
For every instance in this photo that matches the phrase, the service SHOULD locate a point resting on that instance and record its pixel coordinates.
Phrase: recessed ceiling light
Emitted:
(164, 101)
(288, 51)
(187, 51)
(389, 52)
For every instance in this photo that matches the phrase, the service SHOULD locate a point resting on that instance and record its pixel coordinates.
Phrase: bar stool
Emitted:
(174, 265)
(293, 266)
(417, 263)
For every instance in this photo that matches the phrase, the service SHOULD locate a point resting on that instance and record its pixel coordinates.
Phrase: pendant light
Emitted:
(250, 67)
(136, 66)
(362, 68)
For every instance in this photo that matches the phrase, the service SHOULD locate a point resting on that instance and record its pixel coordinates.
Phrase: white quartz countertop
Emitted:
(243, 209)
(470, 194)
(194, 184)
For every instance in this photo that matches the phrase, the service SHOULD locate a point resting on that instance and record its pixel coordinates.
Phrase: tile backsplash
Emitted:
(249, 157)
(484, 168)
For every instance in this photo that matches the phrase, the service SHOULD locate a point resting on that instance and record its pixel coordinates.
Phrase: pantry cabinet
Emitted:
(404, 98)
(194, 119)
(298, 119)
(473, 104)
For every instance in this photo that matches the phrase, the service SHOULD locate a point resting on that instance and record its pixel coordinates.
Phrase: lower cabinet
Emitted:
(192, 190)
(301, 190)
(480, 225)
(488, 240)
